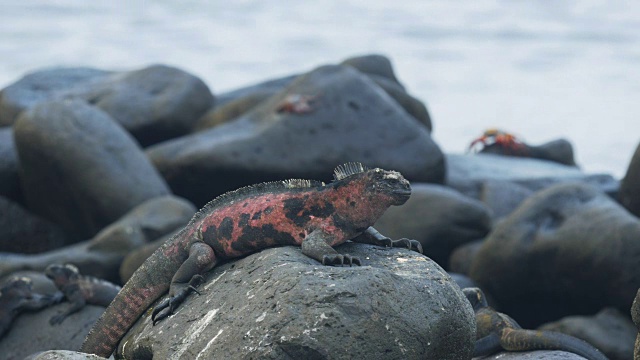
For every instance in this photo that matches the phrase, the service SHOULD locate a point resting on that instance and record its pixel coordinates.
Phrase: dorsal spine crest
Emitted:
(348, 169)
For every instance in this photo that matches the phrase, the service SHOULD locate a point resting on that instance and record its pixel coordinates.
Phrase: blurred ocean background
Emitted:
(539, 69)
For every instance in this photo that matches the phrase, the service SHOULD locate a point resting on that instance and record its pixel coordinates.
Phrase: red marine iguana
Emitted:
(497, 331)
(79, 290)
(306, 213)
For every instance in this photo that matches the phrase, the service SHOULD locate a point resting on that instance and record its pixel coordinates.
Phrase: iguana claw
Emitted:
(339, 259)
(174, 301)
(405, 243)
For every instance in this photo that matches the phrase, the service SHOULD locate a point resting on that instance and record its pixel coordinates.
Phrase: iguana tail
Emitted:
(525, 340)
(146, 285)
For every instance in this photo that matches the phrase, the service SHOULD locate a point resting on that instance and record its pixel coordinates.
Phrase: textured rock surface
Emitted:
(103, 254)
(80, 169)
(61, 355)
(24, 232)
(439, 217)
(352, 120)
(610, 331)
(281, 304)
(566, 250)
(31, 332)
(532, 355)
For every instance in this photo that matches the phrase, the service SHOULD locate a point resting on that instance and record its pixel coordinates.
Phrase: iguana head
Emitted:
(60, 274)
(388, 187)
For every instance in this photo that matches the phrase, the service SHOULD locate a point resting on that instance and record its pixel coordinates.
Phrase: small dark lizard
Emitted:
(79, 290)
(298, 212)
(497, 331)
(17, 296)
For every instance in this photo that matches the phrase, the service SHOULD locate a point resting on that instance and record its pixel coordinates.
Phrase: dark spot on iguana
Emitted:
(257, 215)
(226, 228)
(244, 220)
(268, 210)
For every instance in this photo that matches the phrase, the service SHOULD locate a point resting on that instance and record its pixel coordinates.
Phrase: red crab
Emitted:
(502, 139)
(296, 104)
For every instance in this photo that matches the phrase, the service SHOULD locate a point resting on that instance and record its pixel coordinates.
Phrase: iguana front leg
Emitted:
(77, 302)
(186, 279)
(373, 237)
(316, 245)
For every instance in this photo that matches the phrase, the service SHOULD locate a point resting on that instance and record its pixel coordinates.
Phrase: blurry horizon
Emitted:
(542, 70)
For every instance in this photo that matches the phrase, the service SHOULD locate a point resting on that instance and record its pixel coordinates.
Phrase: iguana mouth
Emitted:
(406, 193)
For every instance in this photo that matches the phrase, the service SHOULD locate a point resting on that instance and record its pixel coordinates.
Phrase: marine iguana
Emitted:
(497, 331)
(16, 296)
(299, 212)
(79, 290)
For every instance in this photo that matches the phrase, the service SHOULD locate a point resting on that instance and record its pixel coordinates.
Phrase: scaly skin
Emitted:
(79, 290)
(305, 213)
(17, 296)
(497, 331)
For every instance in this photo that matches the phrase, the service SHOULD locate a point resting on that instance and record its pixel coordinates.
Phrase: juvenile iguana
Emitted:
(79, 290)
(17, 296)
(307, 213)
(496, 331)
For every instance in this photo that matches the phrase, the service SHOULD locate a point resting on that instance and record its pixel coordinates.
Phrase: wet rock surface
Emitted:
(281, 304)
(80, 169)
(351, 119)
(569, 249)
(610, 331)
(440, 218)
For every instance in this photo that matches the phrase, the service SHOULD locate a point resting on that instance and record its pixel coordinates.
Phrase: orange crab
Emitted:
(502, 139)
(296, 104)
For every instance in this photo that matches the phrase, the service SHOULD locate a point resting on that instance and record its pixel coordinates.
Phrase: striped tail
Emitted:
(145, 286)
(521, 340)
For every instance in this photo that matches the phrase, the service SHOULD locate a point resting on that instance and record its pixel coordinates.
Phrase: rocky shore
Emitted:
(99, 168)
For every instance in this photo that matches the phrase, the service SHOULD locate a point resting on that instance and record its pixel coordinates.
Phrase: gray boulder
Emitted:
(610, 331)
(559, 151)
(9, 180)
(566, 250)
(31, 332)
(629, 194)
(373, 64)
(79, 168)
(440, 218)
(467, 173)
(352, 119)
(280, 304)
(24, 232)
(503, 196)
(42, 85)
(103, 254)
(231, 110)
(155, 103)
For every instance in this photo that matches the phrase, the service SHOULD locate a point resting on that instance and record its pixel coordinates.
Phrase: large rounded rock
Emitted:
(281, 304)
(502, 196)
(560, 151)
(31, 332)
(351, 119)
(41, 86)
(629, 194)
(373, 64)
(80, 168)
(566, 250)
(24, 232)
(533, 355)
(103, 254)
(231, 110)
(439, 217)
(155, 103)
(610, 331)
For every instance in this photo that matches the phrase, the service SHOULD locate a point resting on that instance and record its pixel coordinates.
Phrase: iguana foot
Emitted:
(404, 243)
(57, 319)
(172, 302)
(339, 259)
